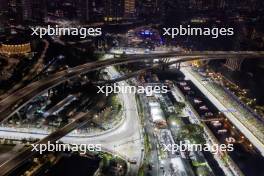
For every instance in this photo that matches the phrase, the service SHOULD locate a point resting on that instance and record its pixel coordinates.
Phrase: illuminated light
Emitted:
(15, 49)
(147, 32)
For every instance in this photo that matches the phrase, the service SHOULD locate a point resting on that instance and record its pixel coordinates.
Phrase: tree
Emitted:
(192, 132)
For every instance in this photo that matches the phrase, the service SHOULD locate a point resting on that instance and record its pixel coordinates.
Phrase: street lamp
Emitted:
(173, 123)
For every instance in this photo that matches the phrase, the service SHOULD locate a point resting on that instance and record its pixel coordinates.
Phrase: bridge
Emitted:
(199, 54)
(20, 98)
(80, 120)
(212, 119)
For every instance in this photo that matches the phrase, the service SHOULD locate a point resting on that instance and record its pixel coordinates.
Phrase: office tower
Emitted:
(151, 9)
(3, 12)
(83, 10)
(27, 10)
(129, 8)
(114, 10)
(38, 10)
(3, 5)
(89, 10)
(26, 6)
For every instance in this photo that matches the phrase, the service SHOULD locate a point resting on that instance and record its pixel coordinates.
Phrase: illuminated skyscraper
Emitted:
(89, 10)
(83, 10)
(3, 5)
(38, 10)
(3, 12)
(129, 8)
(151, 9)
(24, 10)
(114, 10)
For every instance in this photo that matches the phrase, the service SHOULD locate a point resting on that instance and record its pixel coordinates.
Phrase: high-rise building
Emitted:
(129, 8)
(151, 9)
(183, 4)
(24, 10)
(221, 4)
(3, 12)
(116, 10)
(38, 10)
(89, 10)
(113, 10)
(205, 4)
(83, 10)
(15, 10)
(3, 5)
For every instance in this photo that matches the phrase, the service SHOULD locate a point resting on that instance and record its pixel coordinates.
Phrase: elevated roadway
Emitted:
(80, 119)
(124, 141)
(18, 99)
(15, 101)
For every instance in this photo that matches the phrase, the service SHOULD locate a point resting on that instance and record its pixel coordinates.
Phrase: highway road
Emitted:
(152, 158)
(229, 169)
(199, 54)
(33, 71)
(18, 99)
(25, 155)
(124, 141)
(234, 118)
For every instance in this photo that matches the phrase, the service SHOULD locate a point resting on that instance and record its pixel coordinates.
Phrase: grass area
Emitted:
(109, 163)
(197, 164)
(179, 107)
(147, 144)
(115, 103)
(193, 133)
(162, 153)
(175, 120)
(141, 171)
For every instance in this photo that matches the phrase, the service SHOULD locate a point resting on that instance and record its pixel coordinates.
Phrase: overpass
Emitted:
(199, 54)
(26, 94)
(20, 98)
(80, 120)
(212, 119)
(127, 130)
